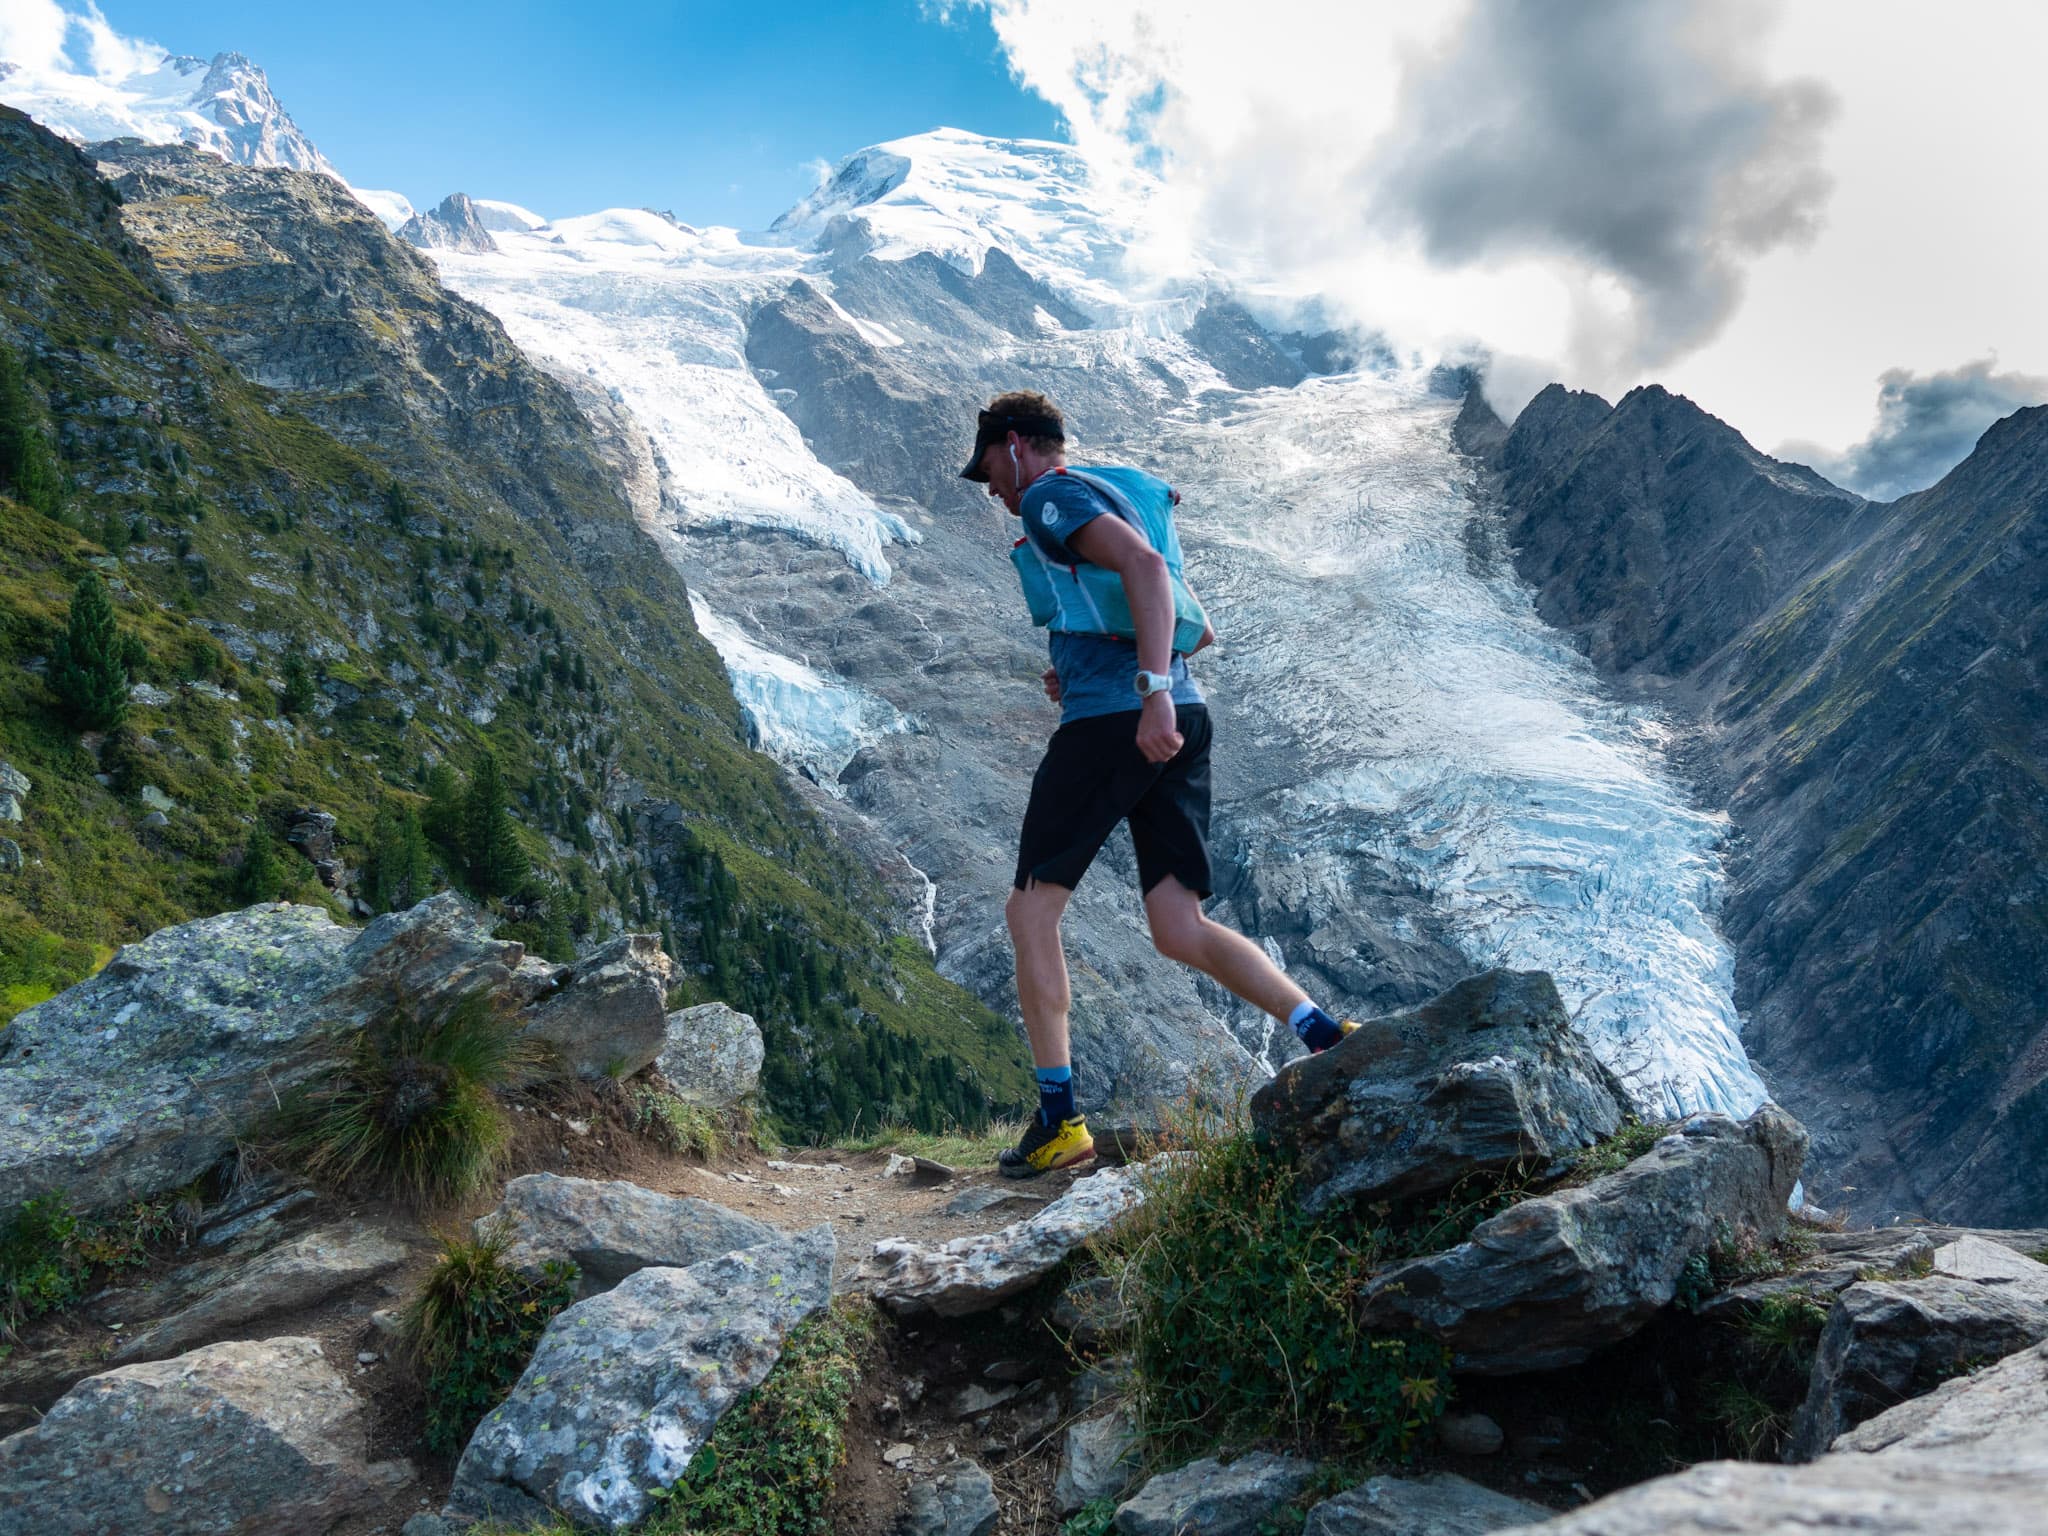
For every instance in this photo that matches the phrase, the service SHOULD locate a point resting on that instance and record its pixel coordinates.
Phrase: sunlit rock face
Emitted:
(1417, 778)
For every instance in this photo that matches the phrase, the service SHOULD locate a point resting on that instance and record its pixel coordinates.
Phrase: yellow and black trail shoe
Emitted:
(1045, 1148)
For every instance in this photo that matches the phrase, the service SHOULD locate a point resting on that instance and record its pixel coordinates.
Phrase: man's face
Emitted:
(1002, 476)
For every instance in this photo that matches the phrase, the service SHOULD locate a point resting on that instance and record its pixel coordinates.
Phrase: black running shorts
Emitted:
(1093, 777)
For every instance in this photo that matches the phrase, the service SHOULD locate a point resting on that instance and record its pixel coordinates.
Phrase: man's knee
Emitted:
(1179, 936)
(1034, 910)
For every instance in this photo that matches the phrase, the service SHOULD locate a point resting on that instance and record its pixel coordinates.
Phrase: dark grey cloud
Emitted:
(1641, 137)
(1927, 423)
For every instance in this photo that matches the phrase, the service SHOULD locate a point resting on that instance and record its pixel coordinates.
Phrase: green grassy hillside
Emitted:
(348, 587)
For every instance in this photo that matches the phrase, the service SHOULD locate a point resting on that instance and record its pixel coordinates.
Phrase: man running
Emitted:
(1132, 745)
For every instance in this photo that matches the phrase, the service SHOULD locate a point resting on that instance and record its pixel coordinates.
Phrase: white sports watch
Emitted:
(1150, 683)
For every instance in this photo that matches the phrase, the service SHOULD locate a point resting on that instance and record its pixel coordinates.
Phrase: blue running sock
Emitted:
(1317, 1029)
(1055, 1095)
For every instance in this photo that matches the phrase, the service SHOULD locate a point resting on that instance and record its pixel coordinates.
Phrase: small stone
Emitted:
(367, 1357)
(426, 1525)
(10, 807)
(1011, 1370)
(386, 1321)
(959, 1501)
(155, 821)
(976, 1399)
(1439, 1504)
(1468, 1434)
(931, 1171)
(1100, 1460)
(148, 694)
(899, 1166)
(156, 799)
(899, 1454)
(973, 1200)
(1215, 1498)
(10, 856)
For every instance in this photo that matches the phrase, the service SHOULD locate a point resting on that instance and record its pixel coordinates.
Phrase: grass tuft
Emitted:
(960, 1148)
(1245, 1308)
(1619, 1150)
(690, 1130)
(472, 1328)
(770, 1465)
(410, 1108)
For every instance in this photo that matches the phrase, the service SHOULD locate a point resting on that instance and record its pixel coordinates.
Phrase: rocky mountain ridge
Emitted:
(1869, 695)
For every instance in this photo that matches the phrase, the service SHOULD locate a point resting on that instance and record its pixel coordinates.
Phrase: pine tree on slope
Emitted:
(90, 672)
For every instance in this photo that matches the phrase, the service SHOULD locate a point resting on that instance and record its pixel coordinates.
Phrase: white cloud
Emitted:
(32, 35)
(112, 56)
(1766, 205)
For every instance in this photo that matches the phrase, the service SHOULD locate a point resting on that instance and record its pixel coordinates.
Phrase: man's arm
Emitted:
(1115, 545)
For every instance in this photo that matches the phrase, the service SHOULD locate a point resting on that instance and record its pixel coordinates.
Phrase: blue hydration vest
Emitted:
(1085, 599)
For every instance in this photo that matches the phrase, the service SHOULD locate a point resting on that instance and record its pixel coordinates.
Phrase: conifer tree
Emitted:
(91, 673)
(557, 944)
(402, 870)
(497, 864)
(262, 874)
(443, 822)
(28, 469)
(297, 697)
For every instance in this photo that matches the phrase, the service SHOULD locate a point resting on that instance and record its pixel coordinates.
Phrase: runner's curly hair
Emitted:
(1029, 402)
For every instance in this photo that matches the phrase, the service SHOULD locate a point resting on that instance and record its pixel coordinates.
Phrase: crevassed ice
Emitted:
(802, 717)
(1441, 728)
(656, 313)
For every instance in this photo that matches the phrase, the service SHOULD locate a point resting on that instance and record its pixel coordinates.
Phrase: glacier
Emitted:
(1396, 703)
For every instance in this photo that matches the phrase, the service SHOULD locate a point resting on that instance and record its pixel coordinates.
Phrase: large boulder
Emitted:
(975, 1273)
(1889, 1340)
(1551, 1279)
(1971, 1456)
(609, 1018)
(610, 1229)
(712, 1055)
(296, 1274)
(140, 1078)
(1215, 1498)
(624, 1389)
(244, 1439)
(1440, 1504)
(1488, 1074)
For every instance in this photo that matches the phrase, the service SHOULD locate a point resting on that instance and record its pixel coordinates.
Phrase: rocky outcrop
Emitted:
(1870, 703)
(609, 1019)
(1216, 1498)
(1970, 1456)
(291, 1276)
(974, 1274)
(1440, 1504)
(610, 1229)
(711, 1055)
(452, 226)
(1224, 333)
(624, 1388)
(141, 1078)
(1486, 1075)
(1551, 1279)
(254, 1439)
(1890, 1340)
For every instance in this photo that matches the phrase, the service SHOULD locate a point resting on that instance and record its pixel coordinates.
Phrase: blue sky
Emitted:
(713, 110)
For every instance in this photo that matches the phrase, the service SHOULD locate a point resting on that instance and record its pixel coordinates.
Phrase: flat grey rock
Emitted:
(1993, 1264)
(609, 1018)
(1440, 1504)
(1486, 1074)
(1886, 1341)
(972, 1274)
(609, 1228)
(959, 1499)
(711, 1054)
(295, 1274)
(258, 1438)
(624, 1388)
(1215, 1498)
(1551, 1279)
(987, 1197)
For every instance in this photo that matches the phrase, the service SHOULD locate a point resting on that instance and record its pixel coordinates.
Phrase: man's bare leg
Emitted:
(1043, 992)
(1181, 931)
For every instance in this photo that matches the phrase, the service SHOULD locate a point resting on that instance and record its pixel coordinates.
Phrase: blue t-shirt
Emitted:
(1096, 671)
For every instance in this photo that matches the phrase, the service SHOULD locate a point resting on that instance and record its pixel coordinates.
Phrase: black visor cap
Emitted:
(991, 428)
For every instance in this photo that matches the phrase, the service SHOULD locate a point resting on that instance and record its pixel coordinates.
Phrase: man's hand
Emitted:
(1159, 737)
(1052, 684)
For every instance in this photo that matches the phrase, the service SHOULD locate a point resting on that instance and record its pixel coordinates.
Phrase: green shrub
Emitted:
(472, 1328)
(1245, 1309)
(50, 1256)
(1095, 1518)
(683, 1127)
(769, 1467)
(408, 1109)
(1630, 1142)
(261, 877)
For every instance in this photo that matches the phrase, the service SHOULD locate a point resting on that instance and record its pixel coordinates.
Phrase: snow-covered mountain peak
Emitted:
(223, 105)
(958, 195)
